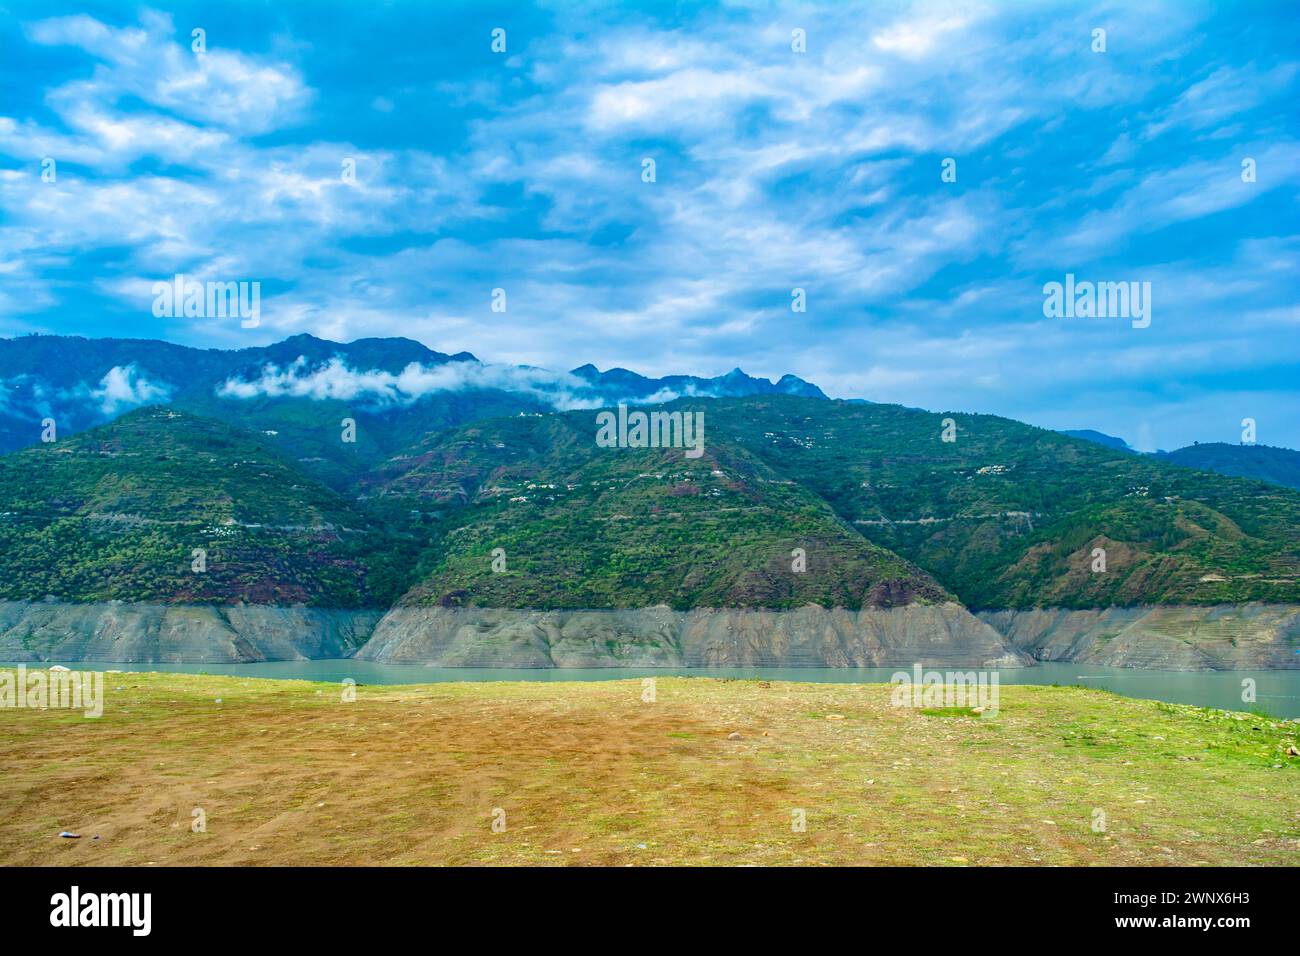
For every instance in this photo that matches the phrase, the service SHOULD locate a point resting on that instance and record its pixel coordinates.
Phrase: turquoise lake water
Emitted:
(1277, 692)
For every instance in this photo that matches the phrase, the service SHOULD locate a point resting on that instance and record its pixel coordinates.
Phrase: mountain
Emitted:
(119, 512)
(458, 512)
(807, 530)
(1281, 466)
(301, 389)
(395, 390)
(580, 526)
(886, 512)
(1007, 515)
(1098, 438)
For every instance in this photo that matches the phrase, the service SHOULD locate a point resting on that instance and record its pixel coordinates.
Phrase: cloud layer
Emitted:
(334, 379)
(775, 170)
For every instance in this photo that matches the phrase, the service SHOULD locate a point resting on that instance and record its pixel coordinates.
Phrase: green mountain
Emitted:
(883, 509)
(308, 432)
(118, 512)
(1004, 515)
(396, 390)
(1008, 515)
(1281, 466)
(581, 526)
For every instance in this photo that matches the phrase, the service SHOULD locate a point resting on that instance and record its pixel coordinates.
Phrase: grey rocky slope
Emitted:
(934, 635)
(1225, 637)
(1229, 637)
(152, 633)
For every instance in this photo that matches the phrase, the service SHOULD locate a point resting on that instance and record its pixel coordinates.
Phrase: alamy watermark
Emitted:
(191, 299)
(56, 687)
(1098, 300)
(977, 690)
(75, 908)
(651, 430)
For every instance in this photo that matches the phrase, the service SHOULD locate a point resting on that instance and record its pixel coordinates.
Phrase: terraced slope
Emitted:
(1008, 515)
(579, 526)
(795, 501)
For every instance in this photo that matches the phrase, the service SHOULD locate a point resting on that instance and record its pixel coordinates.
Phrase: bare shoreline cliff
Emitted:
(945, 634)
(117, 632)
(1225, 637)
(1222, 637)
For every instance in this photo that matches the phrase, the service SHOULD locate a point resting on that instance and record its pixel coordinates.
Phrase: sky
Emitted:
(774, 169)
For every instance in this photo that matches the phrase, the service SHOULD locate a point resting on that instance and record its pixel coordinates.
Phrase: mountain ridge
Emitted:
(82, 381)
(397, 387)
(1279, 466)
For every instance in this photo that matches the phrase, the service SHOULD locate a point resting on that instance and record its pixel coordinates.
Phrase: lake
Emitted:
(1277, 692)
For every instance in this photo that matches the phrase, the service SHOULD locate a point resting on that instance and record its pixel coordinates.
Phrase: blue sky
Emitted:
(774, 170)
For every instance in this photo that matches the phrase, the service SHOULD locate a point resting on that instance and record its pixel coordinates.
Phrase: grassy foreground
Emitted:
(286, 772)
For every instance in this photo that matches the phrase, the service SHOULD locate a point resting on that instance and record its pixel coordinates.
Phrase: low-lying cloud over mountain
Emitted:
(415, 390)
(124, 388)
(84, 382)
(120, 389)
(563, 391)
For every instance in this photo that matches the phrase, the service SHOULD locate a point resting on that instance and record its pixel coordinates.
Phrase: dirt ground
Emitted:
(287, 772)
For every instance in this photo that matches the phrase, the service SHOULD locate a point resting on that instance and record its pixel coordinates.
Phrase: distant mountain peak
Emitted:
(1280, 466)
(1098, 438)
(734, 384)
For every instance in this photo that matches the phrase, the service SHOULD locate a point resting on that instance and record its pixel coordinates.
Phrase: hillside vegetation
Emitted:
(117, 513)
(582, 526)
(795, 501)
(1006, 515)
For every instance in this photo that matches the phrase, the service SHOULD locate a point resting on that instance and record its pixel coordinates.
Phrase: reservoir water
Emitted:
(1276, 692)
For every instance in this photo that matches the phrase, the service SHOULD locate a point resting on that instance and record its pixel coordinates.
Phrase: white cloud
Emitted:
(916, 38)
(123, 387)
(245, 94)
(335, 380)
